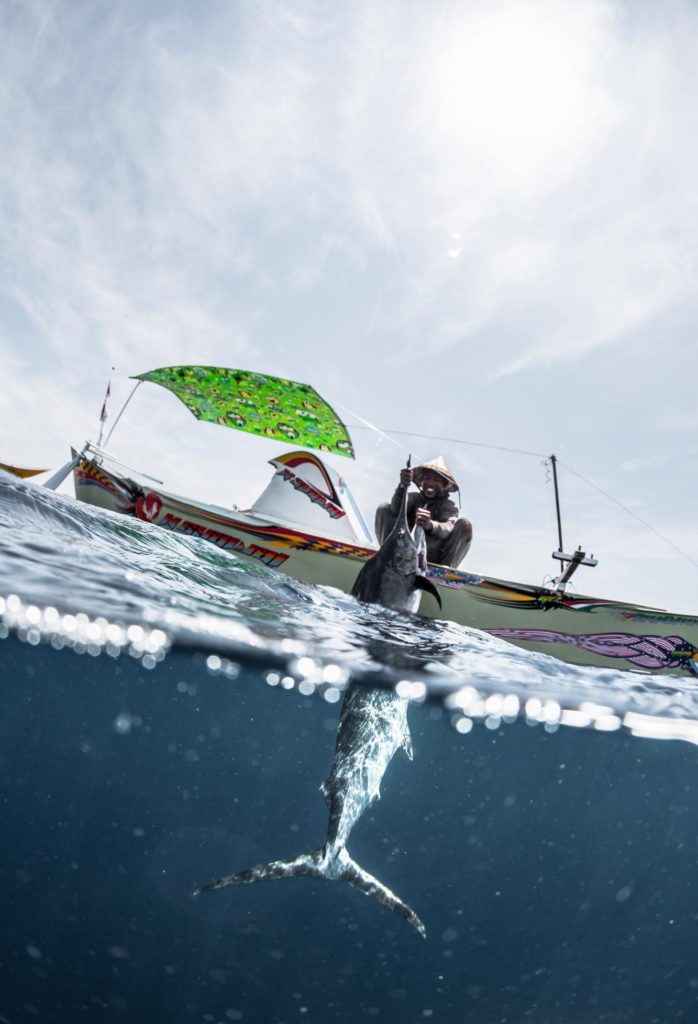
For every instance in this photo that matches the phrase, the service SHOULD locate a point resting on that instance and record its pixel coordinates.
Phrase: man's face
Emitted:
(432, 483)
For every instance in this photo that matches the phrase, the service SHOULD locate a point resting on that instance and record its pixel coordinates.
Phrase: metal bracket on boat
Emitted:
(574, 560)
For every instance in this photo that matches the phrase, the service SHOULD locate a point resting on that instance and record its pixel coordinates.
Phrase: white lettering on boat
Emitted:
(222, 540)
(316, 496)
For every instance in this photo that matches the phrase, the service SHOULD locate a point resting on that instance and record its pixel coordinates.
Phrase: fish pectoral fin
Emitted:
(422, 583)
(355, 875)
(407, 742)
(305, 864)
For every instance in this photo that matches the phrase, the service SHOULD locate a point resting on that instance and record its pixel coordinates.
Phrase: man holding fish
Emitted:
(448, 534)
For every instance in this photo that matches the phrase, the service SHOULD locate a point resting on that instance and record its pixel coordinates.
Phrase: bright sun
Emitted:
(514, 77)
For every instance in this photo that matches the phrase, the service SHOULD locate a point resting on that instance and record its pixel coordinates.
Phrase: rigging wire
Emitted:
(546, 460)
(370, 426)
(630, 512)
(451, 440)
(123, 410)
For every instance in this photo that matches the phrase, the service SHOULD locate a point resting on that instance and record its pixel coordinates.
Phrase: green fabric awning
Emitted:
(273, 407)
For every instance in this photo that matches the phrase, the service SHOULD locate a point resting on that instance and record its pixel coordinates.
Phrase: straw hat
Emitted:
(437, 465)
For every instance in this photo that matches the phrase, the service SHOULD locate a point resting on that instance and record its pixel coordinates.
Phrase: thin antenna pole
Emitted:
(553, 462)
(123, 409)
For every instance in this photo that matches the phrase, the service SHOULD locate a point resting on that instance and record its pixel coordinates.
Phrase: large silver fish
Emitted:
(372, 726)
(396, 575)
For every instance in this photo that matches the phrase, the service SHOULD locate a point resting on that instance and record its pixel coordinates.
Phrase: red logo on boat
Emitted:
(149, 506)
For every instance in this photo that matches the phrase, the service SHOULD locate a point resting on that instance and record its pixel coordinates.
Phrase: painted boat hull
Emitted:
(576, 629)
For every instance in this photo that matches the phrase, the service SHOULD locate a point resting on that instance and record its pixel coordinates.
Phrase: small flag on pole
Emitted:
(103, 414)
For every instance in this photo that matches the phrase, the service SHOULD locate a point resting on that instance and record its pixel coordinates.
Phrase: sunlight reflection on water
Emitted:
(651, 711)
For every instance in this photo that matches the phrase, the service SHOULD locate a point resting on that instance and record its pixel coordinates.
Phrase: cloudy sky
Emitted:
(470, 220)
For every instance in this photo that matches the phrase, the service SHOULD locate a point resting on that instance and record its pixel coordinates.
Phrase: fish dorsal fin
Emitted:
(367, 583)
(422, 583)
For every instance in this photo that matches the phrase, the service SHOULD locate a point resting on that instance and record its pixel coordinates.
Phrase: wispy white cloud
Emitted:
(149, 174)
(537, 131)
(678, 421)
(641, 464)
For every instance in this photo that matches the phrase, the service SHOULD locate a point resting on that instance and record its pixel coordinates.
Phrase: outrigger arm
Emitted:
(55, 481)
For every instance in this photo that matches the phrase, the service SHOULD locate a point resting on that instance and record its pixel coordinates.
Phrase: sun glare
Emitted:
(513, 76)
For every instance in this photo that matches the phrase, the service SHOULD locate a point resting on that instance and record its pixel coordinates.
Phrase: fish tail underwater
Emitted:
(372, 726)
(167, 710)
(329, 863)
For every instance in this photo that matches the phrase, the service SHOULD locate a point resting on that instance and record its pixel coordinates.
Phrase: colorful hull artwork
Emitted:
(579, 630)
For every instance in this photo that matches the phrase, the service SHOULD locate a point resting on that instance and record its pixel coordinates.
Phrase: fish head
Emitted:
(409, 556)
(396, 574)
(405, 554)
(406, 549)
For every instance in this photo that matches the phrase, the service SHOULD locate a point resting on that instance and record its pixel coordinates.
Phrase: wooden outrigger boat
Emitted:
(308, 525)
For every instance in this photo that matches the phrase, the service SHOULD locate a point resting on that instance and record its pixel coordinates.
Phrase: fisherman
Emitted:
(448, 534)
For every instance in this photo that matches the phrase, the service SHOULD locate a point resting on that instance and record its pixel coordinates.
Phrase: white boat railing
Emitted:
(55, 481)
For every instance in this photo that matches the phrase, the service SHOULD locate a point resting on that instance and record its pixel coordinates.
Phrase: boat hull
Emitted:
(576, 629)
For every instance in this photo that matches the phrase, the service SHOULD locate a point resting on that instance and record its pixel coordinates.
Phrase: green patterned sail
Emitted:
(268, 406)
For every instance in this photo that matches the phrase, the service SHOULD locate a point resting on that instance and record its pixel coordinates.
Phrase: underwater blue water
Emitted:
(167, 714)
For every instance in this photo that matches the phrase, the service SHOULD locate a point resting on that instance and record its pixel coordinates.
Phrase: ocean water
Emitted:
(167, 714)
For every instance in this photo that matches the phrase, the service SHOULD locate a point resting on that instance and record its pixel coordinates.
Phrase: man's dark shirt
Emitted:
(443, 511)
